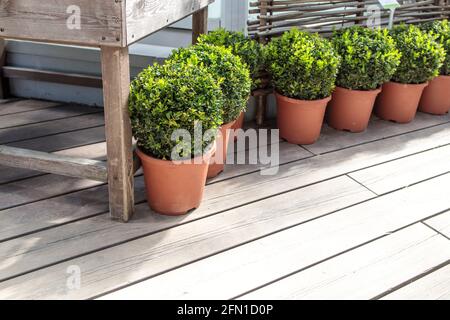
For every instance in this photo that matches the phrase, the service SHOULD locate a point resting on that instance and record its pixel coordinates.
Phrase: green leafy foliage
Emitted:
(302, 65)
(440, 30)
(369, 57)
(226, 68)
(171, 97)
(422, 57)
(247, 49)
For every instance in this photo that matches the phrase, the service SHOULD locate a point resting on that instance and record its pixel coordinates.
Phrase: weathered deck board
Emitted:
(251, 265)
(211, 205)
(12, 120)
(365, 272)
(18, 106)
(278, 254)
(164, 250)
(205, 210)
(405, 171)
(97, 151)
(57, 210)
(435, 286)
(441, 223)
(55, 218)
(39, 188)
(33, 131)
(332, 140)
(252, 187)
(56, 185)
(84, 236)
(287, 153)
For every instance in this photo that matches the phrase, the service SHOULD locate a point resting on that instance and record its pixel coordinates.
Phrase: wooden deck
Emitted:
(355, 216)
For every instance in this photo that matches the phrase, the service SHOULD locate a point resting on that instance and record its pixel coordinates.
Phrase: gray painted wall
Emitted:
(70, 59)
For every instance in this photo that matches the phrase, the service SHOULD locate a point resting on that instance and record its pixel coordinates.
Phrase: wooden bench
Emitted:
(112, 26)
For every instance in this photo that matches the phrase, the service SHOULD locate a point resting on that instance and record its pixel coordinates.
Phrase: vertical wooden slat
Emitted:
(3, 81)
(440, 3)
(261, 101)
(116, 87)
(199, 24)
(360, 14)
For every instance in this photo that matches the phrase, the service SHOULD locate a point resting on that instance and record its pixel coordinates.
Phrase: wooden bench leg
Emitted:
(199, 24)
(3, 82)
(116, 88)
(261, 106)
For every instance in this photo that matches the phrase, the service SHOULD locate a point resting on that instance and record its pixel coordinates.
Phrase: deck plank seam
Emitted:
(412, 280)
(31, 110)
(260, 169)
(51, 134)
(362, 185)
(307, 150)
(47, 120)
(434, 229)
(11, 100)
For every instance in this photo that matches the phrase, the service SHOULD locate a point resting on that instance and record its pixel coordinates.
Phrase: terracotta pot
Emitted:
(216, 166)
(174, 188)
(300, 121)
(238, 124)
(436, 97)
(351, 109)
(399, 102)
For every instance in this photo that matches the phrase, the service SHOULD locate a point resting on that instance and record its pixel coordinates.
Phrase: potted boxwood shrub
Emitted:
(247, 49)
(436, 97)
(369, 59)
(234, 78)
(422, 57)
(165, 99)
(303, 68)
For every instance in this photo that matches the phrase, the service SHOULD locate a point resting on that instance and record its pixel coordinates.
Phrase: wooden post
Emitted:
(441, 3)
(199, 24)
(261, 104)
(359, 14)
(3, 81)
(116, 88)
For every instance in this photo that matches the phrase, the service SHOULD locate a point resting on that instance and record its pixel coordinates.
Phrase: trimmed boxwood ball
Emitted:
(170, 97)
(440, 30)
(422, 57)
(302, 65)
(228, 70)
(369, 57)
(247, 49)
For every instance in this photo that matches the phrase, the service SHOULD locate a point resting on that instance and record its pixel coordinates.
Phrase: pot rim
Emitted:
(279, 95)
(441, 76)
(359, 91)
(423, 84)
(204, 157)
